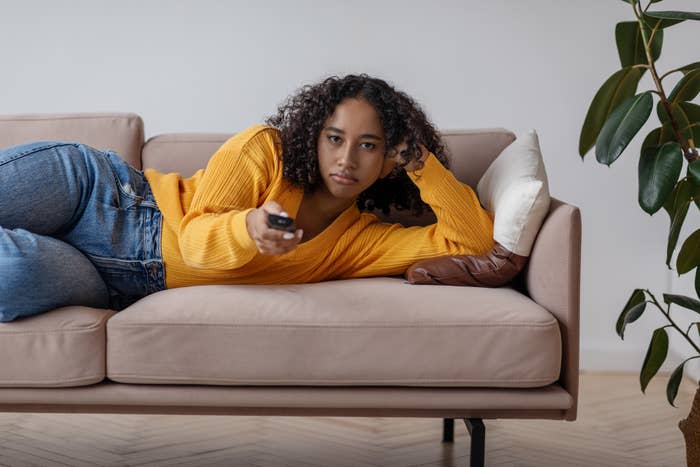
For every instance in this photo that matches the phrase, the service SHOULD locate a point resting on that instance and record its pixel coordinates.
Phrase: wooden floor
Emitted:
(617, 426)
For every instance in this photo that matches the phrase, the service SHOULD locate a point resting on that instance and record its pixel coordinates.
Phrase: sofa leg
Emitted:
(448, 430)
(478, 433)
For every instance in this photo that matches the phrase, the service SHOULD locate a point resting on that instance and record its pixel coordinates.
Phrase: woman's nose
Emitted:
(347, 157)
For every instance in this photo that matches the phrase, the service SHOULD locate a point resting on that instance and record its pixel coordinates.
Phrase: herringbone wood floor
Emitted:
(617, 426)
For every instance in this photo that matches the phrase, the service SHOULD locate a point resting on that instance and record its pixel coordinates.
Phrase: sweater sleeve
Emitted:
(463, 227)
(213, 234)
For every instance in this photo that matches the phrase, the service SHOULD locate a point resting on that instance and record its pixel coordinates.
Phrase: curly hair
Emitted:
(301, 117)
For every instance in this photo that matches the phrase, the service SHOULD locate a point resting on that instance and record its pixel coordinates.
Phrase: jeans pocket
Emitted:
(127, 280)
(130, 182)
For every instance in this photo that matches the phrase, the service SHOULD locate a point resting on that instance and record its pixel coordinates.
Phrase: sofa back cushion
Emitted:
(184, 153)
(471, 153)
(120, 132)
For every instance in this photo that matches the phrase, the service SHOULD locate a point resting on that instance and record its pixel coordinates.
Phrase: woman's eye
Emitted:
(334, 138)
(369, 145)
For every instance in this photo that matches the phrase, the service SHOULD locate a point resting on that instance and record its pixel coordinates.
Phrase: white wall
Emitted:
(220, 66)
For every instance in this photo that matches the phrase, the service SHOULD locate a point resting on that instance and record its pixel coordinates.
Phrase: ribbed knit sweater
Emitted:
(205, 239)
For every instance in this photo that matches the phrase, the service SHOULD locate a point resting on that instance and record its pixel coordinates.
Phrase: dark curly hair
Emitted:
(301, 117)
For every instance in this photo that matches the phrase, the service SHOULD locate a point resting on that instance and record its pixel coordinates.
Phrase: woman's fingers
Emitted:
(279, 236)
(272, 247)
(272, 207)
(275, 242)
(399, 152)
(271, 241)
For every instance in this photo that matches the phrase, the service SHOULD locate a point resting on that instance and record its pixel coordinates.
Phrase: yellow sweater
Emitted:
(205, 239)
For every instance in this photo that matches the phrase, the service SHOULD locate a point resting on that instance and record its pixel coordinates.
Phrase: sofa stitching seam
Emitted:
(290, 325)
(189, 378)
(100, 324)
(53, 381)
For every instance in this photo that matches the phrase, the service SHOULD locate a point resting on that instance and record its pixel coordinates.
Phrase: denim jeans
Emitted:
(78, 226)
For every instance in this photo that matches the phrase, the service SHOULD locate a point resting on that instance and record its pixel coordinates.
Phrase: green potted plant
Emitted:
(669, 176)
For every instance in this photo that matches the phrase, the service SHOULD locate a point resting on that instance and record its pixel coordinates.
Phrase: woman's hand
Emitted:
(271, 241)
(397, 154)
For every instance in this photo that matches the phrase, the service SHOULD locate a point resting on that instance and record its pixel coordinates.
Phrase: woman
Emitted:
(79, 226)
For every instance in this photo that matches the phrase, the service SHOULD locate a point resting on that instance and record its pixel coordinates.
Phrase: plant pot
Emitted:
(690, 427)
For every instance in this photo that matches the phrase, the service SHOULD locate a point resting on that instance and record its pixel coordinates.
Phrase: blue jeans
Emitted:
(78, 226)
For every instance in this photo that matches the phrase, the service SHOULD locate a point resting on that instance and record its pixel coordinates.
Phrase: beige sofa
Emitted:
(374, 347)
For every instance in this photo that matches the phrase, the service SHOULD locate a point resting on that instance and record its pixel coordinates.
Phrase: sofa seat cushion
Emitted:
(372, 331)
(60, 348)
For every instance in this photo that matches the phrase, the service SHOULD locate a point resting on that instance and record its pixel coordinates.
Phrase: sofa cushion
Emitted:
(515, 189)
(60, 348)
(122, 132)
(371, 331)
(184, 153)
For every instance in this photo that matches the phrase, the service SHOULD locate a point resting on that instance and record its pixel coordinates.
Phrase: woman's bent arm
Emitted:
(463, 228)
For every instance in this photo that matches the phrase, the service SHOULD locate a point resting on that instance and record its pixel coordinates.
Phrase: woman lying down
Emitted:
(289, 201)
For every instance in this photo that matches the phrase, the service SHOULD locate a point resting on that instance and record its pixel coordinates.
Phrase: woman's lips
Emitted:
(343, 180)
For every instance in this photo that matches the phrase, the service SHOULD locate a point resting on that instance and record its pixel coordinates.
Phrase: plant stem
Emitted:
(671, 321)
(634, 8)
(691, 154)
(689, 359)
(661, 78)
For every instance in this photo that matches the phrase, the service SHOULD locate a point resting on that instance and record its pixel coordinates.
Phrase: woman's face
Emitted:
(351, 149)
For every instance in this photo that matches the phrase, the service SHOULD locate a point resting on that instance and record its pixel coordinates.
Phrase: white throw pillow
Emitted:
(515, 190)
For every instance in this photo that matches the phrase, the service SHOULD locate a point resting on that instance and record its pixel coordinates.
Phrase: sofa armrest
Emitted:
(553, 280)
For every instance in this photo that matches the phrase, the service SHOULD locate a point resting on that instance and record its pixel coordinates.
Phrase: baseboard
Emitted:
(619, 359)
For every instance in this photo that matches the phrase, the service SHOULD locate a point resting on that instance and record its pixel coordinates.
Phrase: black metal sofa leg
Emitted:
(448, 430)
(477, 430)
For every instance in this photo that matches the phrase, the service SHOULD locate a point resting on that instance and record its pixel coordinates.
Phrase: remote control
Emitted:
(280, 222)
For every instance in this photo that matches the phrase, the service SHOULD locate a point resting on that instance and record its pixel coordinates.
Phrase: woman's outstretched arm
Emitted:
(213, 234)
